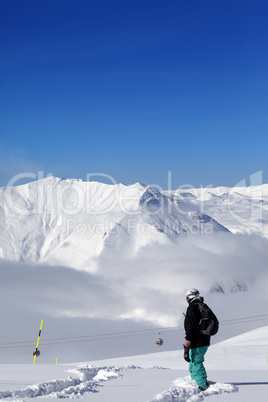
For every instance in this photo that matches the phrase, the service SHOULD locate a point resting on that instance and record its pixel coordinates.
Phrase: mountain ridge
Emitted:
(72, 222)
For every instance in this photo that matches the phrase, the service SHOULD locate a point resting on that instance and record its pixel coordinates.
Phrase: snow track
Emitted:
(85, 379)
(185, 390)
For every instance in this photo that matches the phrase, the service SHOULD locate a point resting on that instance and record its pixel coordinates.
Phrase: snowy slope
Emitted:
(71, 222)
(155, 377)
(255, 337)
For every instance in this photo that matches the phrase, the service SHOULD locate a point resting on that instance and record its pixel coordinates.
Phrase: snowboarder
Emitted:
(196, 343)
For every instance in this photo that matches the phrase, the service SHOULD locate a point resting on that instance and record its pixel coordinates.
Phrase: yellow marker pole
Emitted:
(37, 343)
(56, 359)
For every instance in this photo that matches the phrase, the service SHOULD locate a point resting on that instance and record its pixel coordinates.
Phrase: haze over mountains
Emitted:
(73, 223)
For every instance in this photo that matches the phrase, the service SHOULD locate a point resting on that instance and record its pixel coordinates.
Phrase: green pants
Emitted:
(196, 367)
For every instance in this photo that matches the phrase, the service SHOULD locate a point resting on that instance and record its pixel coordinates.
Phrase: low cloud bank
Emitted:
(147, 290)
(149, 287)
(157, 279)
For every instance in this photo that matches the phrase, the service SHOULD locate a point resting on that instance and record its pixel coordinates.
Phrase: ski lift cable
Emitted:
(133, 332)
(86, 338)
(148, 330)
(242, 321)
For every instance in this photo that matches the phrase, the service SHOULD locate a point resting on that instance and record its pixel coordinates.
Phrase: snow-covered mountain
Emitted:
(71, 222)
(240, 209)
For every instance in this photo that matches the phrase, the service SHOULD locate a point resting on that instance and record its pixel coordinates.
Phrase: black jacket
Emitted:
(192, 318)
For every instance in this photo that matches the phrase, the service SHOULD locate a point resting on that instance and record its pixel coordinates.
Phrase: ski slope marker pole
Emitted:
(37, 343)
(56, 359)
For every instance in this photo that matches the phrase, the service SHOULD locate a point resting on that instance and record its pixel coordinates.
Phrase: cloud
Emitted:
(157, 279)
(148, 288)
(147, 291)
(54, 290)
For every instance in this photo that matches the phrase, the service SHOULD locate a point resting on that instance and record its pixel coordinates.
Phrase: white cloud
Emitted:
(145, 291)
(157, 279)
(154, 282)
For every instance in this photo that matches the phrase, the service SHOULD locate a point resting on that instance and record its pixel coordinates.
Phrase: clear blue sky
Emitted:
(135, 89)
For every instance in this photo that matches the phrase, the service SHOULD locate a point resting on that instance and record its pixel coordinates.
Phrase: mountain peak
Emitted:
(71, 222)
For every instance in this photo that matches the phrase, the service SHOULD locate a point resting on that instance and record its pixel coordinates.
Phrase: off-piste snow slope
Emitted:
(72, 222)
(237, 371)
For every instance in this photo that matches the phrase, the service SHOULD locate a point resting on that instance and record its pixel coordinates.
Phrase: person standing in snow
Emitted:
(196, 343)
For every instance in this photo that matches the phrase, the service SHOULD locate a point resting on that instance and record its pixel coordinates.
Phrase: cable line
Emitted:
(110, 335)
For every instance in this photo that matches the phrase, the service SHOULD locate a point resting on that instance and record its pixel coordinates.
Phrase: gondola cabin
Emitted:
(159, 342)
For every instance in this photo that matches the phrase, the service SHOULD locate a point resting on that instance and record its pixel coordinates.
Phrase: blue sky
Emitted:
(135, 89)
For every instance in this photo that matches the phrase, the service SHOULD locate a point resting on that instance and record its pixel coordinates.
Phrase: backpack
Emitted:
(208, 324)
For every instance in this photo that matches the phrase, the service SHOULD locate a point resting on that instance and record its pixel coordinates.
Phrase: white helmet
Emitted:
(191, 295)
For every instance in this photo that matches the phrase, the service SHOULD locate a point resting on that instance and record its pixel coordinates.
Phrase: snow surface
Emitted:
(155, 377)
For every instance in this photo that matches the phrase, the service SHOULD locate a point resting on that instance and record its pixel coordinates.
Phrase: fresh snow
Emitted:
(185, 390)
(156, 377)
(81, 380)
(257, 336)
